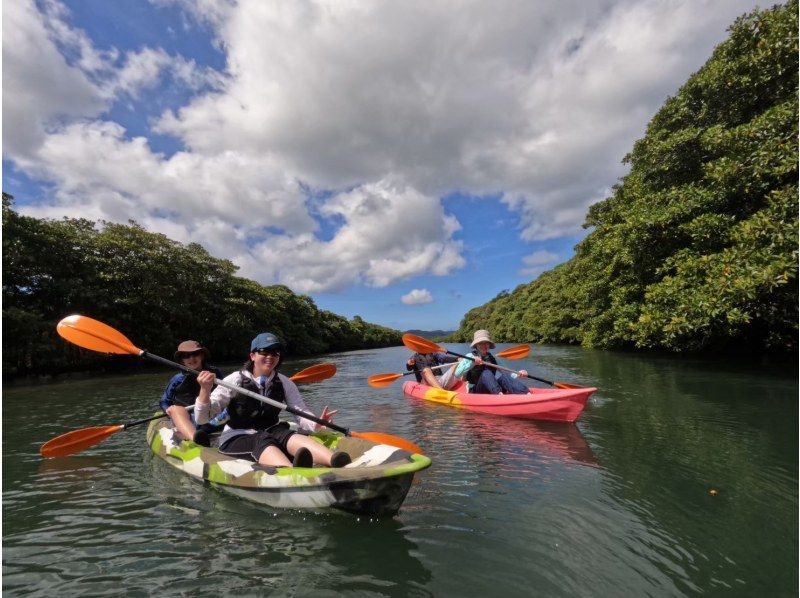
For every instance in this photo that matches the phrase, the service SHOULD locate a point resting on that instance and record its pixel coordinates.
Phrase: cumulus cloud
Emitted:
(536, 102)
(378, 108)
(417, 297)
(538, 262)
(53, 76)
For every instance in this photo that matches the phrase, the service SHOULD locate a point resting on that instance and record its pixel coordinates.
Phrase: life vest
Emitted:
(186, 392)
(246, 412)
(474, 374)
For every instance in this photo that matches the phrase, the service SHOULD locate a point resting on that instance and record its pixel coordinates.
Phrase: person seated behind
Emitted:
(482, 379)
(183, 388)
(253, 430)
(423, 365)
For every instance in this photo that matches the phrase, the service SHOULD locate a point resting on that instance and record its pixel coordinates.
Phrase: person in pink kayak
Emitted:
(482, 379)
(423, 365)
(253, 430)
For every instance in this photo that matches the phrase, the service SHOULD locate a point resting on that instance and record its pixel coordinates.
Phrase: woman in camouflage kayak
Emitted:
(253, 430)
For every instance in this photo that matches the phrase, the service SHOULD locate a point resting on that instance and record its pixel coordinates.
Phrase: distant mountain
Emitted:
(431, 333)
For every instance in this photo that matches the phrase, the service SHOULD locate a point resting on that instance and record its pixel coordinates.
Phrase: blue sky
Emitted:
(404, 162)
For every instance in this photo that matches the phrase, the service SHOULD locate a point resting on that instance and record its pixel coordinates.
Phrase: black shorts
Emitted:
(250, 446)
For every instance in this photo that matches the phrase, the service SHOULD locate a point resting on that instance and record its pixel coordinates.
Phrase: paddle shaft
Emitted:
(500, 367)
(149, 419)
(435, 367)
(250, 393)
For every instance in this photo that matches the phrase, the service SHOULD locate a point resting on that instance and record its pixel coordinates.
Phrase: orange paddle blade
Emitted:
(517, 352)
(382, 380)
(390, 439)
(315, 373)
(77, 440)
(421, 345)
(567, 385)
(95, 336)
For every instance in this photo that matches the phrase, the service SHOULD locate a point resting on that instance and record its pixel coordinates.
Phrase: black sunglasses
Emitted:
(268, 352)
(192, 354)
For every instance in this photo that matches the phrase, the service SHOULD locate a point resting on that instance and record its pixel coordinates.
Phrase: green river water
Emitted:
(617, 505)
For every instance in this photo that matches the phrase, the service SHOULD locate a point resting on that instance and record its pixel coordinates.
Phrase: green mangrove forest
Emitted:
(154, 290)
(696, 249)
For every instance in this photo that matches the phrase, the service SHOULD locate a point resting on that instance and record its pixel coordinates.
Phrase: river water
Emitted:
(620, 504)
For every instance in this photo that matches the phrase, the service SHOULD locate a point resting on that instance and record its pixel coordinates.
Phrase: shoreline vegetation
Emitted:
(696, 250)
(154, 290)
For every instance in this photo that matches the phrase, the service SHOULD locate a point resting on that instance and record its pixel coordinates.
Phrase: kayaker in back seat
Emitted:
(422, 364)
(182, 390)
(482, 379)
(253, 430)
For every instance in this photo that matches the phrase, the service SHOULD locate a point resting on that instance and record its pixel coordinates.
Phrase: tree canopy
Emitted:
(697, 247)
(155, 290)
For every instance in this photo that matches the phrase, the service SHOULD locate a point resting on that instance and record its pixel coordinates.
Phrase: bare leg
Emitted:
(322, 454)
(273, 456)
(430, 378)
(183, 422)
(448, 379)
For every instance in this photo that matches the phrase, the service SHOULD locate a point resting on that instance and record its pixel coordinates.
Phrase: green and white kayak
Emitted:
(374, 484)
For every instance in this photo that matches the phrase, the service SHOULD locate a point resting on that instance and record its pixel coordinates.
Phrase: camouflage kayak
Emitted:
(374, 484)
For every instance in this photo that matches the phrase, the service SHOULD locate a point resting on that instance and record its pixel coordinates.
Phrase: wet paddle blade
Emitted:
(383, 380)
(315, 373)
(95, 336)
(517, 352)
(390, 439)
(421, 345)
(77, 440)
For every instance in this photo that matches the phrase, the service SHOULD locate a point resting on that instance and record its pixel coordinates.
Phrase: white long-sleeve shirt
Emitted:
(221, 396)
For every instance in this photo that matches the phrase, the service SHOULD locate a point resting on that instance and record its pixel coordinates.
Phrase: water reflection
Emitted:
(279, 550)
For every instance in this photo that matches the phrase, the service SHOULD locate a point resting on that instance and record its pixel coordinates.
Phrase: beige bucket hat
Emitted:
(481, 336)
(191, 347)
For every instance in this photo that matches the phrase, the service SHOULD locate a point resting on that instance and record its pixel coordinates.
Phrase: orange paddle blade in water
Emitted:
(389, 439)
(382, 380)
(77, 440)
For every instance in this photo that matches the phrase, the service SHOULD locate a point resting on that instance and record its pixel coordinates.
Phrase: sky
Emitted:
(400, 161)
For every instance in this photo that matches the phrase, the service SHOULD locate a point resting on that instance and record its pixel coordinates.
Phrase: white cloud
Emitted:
(417, 297)
(538, 102)
(384, 106)
(538, 262)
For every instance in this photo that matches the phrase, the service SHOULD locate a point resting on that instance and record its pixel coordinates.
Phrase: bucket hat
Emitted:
(481, 336)
(191, 347)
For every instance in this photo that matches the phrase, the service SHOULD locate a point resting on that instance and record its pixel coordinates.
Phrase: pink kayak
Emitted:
(556, 404)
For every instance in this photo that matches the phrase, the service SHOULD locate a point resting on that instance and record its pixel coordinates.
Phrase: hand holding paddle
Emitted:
(79, 440)
(97, 336)
(422, 345)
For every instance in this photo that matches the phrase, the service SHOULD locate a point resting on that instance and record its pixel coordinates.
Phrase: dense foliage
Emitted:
(697, 247)
(154, 290)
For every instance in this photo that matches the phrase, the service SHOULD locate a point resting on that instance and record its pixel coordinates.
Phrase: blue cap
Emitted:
(265, 340)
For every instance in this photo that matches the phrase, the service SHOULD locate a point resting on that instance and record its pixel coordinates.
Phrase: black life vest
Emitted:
(474, 374)
(186, 392)
(246, 412)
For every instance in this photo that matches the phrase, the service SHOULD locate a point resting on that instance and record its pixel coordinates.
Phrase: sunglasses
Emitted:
(190, 355)
(268, 352)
